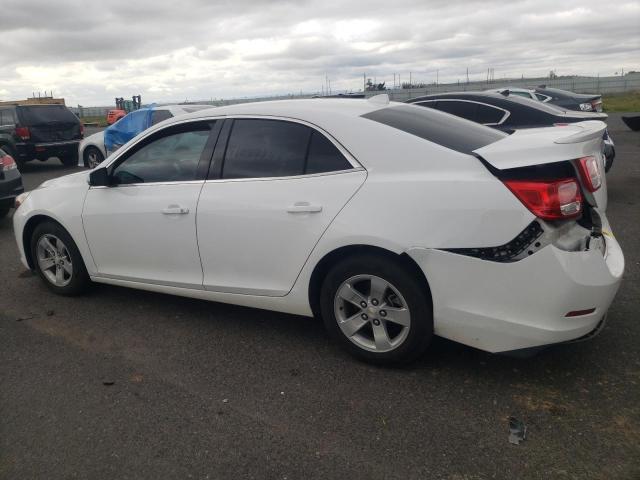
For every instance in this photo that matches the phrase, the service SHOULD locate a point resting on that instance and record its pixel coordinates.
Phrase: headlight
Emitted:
(586, 107)
(20, 199)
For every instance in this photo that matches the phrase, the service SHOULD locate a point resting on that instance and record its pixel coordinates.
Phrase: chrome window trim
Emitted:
(150, 184)
(290, 177)
(506, 115)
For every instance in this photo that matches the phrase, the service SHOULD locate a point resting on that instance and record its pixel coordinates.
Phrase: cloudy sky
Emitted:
(92, 51)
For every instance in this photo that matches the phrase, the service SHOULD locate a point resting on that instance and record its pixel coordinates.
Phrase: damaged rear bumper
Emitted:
(501, 307)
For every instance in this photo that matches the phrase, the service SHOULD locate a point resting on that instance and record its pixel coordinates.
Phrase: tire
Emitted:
(92, 156)
(377, 339)
(70, 160)
(75, 279)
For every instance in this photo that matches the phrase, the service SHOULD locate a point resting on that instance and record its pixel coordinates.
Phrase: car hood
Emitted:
(67, 180)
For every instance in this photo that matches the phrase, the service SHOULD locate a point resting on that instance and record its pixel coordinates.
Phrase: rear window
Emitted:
(437, 127)
(39, 114)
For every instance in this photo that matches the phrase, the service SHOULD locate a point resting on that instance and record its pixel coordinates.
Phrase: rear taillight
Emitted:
(23, 133)
(549, 199)
(7, 163)
(590, 173)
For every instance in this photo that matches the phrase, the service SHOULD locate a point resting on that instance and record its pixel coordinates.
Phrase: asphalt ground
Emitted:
(133, 385)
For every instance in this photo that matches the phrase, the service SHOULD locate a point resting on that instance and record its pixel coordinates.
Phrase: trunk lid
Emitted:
(539, 146)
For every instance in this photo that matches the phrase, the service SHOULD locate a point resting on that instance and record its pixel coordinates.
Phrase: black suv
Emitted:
(30, 132)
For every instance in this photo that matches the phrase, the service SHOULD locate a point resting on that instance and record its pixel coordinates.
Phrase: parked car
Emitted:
(114, 115)
(93, 149)
(10, 183)
(39, 132)
(572, 101)
(509, 113)
(392, 222)
(562, 98)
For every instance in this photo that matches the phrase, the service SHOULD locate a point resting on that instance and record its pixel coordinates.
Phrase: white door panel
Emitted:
(255, 235)
(145, 232)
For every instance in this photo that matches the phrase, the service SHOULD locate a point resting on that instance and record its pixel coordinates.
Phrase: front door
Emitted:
(143, 228)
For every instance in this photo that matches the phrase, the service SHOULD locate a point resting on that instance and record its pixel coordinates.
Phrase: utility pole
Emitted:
(437, 77)
(364, 82)
(467, 75)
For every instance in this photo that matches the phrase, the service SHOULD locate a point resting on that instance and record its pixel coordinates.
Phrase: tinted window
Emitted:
(265, 148)
(39, 114)
(459, 109)
(158, 116)
(171, 156)
(7, 117)
(486, 114)
(432, 125)
(324, 156)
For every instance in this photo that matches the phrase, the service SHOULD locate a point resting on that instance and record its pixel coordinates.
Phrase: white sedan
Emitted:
(392, 222)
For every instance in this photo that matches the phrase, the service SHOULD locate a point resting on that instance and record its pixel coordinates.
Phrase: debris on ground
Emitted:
(50, 313)
(108, 383)
(517, 431)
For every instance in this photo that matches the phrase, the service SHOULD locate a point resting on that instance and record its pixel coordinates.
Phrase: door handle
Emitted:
(304, 207)
(175, 209)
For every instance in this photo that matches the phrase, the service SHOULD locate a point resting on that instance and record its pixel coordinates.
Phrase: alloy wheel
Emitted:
(372, 313)
(54, 260)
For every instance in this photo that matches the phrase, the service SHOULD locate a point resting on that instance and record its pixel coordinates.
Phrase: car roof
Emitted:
(302, 109)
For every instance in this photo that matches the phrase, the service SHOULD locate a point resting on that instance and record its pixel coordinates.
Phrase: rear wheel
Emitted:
(70, 160)
(92, 157)
(57, 260)
(377, 310)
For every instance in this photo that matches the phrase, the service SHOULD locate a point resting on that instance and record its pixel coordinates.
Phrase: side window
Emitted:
(265, 148)
(520, 94)
(488, 115)
(158, 116)
(460, 109)
(7, 117)
(542, 98)
(324, 156)
(430, 104)
(172, 155)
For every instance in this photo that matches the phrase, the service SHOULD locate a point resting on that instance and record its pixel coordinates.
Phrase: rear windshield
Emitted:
(437, 127)
(39, 114)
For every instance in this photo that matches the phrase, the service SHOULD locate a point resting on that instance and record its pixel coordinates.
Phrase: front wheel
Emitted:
(92, 157)
(57, 260)
(377, 310)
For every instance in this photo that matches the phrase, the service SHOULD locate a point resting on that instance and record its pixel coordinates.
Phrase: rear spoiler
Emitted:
(538, 146)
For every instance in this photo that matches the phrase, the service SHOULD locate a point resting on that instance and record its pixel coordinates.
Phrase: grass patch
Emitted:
(622, 102)
(101, 121)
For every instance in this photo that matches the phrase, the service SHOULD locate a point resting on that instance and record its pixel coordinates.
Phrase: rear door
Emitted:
(49, 123)
(274, 188)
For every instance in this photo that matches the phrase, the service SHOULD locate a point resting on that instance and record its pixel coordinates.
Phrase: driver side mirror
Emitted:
(99, 178)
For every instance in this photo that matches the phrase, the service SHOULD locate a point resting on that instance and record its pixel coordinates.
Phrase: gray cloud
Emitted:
(197, 49)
